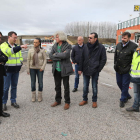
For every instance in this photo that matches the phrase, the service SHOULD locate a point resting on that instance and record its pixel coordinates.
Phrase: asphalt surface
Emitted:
(39, 121)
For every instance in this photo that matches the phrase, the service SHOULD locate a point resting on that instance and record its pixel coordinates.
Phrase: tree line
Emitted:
(104, 29)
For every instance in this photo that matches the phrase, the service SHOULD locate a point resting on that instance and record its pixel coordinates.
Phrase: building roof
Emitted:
(133, 31)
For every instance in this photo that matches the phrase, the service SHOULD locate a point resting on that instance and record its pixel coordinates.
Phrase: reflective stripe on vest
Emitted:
(11, 58)
(18, 64)
(135, 76)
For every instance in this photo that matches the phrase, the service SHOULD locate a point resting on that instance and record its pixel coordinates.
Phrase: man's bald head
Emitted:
(80, 40)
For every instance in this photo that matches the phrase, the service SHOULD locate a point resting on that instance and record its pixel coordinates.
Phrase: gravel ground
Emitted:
(39, 121)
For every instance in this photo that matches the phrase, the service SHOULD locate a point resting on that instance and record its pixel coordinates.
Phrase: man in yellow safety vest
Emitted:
(135, 79)
(12, 67)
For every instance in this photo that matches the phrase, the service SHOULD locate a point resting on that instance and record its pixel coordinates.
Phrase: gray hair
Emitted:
(62, 35)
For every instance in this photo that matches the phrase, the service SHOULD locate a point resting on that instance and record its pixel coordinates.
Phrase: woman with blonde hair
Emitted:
(36, 62)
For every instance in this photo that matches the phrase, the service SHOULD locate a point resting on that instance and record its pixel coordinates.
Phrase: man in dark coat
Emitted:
(122, 64)
(62, 68)
(92, 62)
(76, 56)
(3, 59)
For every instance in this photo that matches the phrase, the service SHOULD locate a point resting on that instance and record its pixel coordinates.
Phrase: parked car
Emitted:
(106, 46)
(111, 49)
(47, 45)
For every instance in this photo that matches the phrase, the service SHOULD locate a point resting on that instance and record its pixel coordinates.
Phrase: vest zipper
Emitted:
(137, 66)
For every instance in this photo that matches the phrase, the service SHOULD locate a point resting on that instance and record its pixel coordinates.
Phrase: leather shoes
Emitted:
(74, 90)
(122, 104)
(131, 109)
(83, 103)
(4, 107)
(55, 104)
(67, 106)
(94, 105)
(3, 114)
(15, 105)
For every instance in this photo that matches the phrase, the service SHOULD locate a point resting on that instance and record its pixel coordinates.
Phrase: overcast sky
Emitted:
(47, 16)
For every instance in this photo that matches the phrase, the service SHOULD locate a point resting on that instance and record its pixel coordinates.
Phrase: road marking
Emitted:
(107, 84)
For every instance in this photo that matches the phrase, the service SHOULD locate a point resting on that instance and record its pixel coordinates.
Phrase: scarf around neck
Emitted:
(92, 46)
(35, 56)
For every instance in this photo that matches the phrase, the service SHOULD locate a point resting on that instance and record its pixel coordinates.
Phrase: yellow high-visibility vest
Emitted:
(14, 59)
(135, 68)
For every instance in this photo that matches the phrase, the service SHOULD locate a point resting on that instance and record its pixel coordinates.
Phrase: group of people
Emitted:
(88, 59)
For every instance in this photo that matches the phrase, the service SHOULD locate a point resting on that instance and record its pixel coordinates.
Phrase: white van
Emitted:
(47, 45)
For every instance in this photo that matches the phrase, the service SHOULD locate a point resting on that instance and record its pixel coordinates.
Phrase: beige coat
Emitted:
(41, 60)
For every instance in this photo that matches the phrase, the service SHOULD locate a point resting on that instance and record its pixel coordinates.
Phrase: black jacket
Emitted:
(3, 60)
(76, 53)
(93, 62)
(63, 57)
(123, 57)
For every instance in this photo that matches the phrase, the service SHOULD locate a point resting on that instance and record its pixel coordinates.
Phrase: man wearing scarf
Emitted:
(92, 62)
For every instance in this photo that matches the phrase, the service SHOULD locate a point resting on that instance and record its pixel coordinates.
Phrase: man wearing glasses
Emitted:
(5, 52)
(92, 62)
(12, 67)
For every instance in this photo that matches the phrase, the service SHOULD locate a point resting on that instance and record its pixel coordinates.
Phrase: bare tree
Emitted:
(104, 29)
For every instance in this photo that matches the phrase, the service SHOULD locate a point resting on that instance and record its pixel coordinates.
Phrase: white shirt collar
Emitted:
(11, 45)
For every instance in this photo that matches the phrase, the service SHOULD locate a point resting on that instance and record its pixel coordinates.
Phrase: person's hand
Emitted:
(24, 46)
(54, 54)
(28, 73)
(64, 51)
(41, 70)
(75, 63)
(79, 72)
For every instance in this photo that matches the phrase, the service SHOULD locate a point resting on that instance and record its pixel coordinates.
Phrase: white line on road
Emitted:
(107, 84)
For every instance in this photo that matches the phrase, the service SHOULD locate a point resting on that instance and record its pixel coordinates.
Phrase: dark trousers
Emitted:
(123, 81)
(1, 93)
(58, 79)
(94, 86)
(76, 76)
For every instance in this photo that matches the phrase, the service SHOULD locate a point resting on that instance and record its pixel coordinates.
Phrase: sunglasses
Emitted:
(90, 38)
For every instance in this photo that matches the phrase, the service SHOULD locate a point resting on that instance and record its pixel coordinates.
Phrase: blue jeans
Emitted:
(39, 74)
(123, 81)
(10, 79)
(94, 86)
(76, 76)
(136, 96)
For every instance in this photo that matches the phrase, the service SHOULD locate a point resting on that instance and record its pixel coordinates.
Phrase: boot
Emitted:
(33, 96)
(39, 96)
